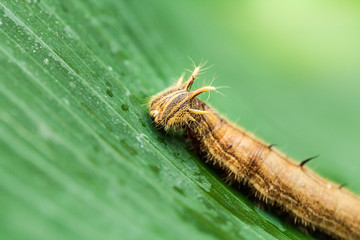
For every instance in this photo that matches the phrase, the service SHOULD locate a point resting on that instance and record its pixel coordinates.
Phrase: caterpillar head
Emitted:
(172, 107)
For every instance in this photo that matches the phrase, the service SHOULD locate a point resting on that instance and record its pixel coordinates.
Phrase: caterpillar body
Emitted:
(315, 202)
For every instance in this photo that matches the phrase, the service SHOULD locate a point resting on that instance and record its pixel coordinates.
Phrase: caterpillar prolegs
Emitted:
(273, 177)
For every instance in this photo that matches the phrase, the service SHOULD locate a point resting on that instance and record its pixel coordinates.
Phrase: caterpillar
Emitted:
(275, 179)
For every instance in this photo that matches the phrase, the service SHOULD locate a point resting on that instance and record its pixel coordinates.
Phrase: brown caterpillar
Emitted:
(274, 178)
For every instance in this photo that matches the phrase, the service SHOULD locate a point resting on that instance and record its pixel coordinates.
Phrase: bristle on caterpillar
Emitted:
(271, 176)
(307, 160)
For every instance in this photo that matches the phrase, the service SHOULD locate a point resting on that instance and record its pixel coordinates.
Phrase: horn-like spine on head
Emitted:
(172, 107)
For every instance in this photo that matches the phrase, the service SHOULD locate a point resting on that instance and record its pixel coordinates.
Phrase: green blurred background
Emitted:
(80, 157)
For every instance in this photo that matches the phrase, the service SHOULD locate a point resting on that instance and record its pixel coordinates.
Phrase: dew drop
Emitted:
(69, 32)
(109, 92)
(140, 139)
(127, 92)
(125, 107)
(46, 61)
(110, 68)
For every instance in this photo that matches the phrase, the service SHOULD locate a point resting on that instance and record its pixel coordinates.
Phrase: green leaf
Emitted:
(80, 158)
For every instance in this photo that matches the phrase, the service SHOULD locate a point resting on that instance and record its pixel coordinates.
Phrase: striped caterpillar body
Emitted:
(274, 178)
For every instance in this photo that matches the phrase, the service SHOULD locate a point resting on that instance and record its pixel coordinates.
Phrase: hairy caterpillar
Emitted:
(308, 198)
